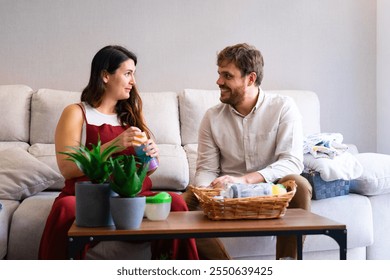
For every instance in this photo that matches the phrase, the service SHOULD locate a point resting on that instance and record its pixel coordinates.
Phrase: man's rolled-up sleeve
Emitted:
(207, 167)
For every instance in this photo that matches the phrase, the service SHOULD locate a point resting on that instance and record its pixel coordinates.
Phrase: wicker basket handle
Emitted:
(290, 185)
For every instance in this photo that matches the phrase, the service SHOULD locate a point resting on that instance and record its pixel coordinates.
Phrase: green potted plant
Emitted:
(127, 175)
(96, 203)
(93, 196)
(126, 179)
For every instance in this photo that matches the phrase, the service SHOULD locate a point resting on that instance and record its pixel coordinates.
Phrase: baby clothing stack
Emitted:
(328, 165)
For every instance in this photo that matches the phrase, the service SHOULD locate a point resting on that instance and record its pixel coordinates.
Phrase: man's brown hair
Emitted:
(246, 58)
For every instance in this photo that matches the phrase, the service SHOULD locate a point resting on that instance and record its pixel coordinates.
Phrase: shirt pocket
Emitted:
(262, 147)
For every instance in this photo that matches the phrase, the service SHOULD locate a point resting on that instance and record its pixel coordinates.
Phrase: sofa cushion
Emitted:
(380, 205)
(46, 108)
(27, 226)
(161, 111)
(352, 210)
(22, 175)
(193, 104)
(14, 144)
(15, 112)
(172, 173)
(8, 209)
(45, 153)
(309, 107)
(375, 179)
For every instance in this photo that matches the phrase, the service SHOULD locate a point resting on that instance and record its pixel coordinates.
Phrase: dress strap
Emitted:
(81, 105)
(84, 129)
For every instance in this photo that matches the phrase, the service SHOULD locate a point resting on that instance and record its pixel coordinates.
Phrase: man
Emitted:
(252, 136)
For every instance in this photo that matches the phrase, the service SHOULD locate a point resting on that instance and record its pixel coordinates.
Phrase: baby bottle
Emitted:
(141, 154)
(249, 190)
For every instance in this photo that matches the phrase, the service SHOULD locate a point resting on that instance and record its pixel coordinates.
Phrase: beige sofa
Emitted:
(29, 177)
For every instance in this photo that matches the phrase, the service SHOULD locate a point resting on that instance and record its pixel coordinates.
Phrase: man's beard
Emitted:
(234, 98)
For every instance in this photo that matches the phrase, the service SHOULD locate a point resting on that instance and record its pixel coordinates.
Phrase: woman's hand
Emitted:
(132, 136)
(151, 148)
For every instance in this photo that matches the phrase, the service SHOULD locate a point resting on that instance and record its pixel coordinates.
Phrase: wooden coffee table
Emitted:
(194, 224)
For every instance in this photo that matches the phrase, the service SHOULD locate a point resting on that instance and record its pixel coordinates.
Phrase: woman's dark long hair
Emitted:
(109, 59)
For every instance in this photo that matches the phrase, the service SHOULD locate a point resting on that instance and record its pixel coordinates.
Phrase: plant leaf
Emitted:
(92, 162)
(125, 179)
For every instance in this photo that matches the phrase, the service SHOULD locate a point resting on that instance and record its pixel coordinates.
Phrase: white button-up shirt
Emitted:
(268, 140)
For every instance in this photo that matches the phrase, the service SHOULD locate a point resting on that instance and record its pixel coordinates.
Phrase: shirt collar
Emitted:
(260, 100)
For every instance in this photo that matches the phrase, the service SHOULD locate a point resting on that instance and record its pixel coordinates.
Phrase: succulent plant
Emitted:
(127, 175)
(124, 173)
(94, 163)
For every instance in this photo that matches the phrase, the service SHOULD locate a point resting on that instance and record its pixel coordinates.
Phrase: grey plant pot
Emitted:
(127, 212)
(93, 205)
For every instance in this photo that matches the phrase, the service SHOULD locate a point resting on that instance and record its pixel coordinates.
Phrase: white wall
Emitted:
(325, 46)
(383, 76)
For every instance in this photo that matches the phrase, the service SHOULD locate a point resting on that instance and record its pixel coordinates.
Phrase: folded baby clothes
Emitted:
(324, 145)
(345, 166)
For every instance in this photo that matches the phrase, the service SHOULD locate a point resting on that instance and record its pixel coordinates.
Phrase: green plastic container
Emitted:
(158, 206)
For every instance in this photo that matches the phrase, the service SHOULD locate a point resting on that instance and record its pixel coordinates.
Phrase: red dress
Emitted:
(62, 215)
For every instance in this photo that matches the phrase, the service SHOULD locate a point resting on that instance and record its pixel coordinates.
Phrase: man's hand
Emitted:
(220, 182)
(250, 178)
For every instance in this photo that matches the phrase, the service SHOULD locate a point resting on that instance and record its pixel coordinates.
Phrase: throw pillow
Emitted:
(172, 173)
(375, 179)
(22, 175)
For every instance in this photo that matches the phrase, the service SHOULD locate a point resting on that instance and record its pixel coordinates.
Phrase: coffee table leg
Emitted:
(340, 236)
(75, 245)
(299, 246)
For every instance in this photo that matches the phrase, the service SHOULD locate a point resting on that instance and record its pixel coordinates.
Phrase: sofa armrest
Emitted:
(375, 179)
(352, 148)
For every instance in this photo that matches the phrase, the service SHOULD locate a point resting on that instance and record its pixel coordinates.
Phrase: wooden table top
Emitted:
(196, 222)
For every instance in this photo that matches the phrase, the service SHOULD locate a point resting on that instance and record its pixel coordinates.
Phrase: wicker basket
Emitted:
(326, 189)
(259, 207)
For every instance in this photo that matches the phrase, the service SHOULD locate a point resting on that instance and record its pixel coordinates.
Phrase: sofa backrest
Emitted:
(173, 118)
(46, 108)
(15, 113)
(193, 103)
(30, 118)
(309, 107)
(160, 109)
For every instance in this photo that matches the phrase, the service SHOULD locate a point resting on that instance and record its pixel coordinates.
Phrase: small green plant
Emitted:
(127, 175)
(93, 163)
(124, 174)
